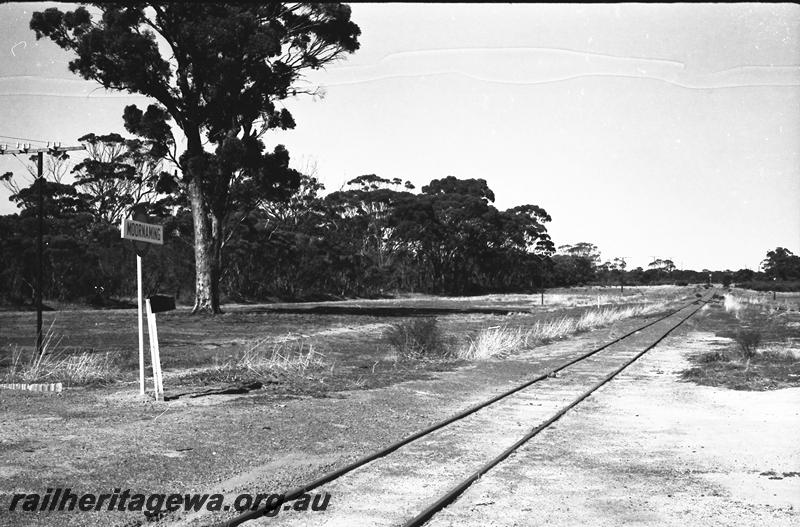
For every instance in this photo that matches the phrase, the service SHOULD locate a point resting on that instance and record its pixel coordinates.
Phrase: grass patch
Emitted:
(762, 355)
(56, 363)
(266, 361)
(767, 370)
(742, 298)
(712, 357)
(545, 332)
(503, 340)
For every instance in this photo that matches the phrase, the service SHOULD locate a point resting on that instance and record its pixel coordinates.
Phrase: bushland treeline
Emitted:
(371, 238)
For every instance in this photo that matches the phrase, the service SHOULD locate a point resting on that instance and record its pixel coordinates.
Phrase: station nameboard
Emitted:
(143, 232)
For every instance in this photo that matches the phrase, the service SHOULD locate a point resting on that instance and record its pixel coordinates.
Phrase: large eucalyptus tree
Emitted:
(216, 72)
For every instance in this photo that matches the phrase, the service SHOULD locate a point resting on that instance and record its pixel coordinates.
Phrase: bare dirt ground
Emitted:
(394, 489)
(651, 450)
(98, 439)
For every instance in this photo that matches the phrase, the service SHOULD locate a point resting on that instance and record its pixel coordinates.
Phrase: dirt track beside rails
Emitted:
(648, 449)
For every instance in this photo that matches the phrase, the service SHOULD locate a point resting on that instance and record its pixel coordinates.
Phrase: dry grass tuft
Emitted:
(497, 340)
(295, 356)
(54, 363)
(732, 304)
(501, 340)
(559, 328)
(266, 359)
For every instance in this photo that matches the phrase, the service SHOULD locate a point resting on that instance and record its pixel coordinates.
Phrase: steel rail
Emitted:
(335, 474)
(459, 489)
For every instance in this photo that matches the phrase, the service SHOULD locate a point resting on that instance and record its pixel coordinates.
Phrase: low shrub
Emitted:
(756, 324)
(713, 356)
(748, 341)
(417, 339)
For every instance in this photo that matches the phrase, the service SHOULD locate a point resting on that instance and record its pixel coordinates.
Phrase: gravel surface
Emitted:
(645, 449)
(649, 450)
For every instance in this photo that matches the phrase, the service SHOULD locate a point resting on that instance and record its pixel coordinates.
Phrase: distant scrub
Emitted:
(792, 286)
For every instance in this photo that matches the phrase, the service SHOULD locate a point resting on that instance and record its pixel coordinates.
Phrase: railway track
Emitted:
(441, 453)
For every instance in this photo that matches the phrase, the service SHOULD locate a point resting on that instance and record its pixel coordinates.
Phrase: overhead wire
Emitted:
(23, 139)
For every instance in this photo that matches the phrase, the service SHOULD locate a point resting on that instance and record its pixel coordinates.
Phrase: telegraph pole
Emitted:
(622, 273)
(56, 149)
(541, 274)
(39, 248)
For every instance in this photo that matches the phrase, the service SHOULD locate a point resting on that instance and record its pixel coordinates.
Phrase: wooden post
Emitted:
(141, 323)
(40, 252)
(158, 358)
(155, 354)
(152, 349)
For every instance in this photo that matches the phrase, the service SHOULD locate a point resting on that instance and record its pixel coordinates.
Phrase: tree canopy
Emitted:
(781, 264)
(217, 73)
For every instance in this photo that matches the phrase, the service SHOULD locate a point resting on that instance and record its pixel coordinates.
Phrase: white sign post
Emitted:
(141, 329)
(148, 233)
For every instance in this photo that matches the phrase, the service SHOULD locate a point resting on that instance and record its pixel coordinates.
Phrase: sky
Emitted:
(651, 130)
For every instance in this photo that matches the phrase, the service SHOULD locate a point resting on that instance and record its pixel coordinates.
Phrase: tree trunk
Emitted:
(206, 258)
(217, 236)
